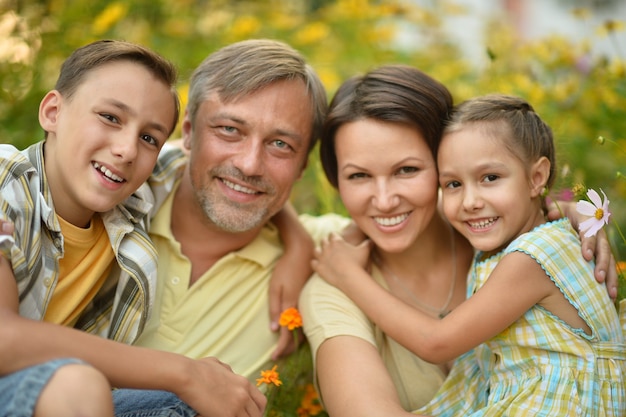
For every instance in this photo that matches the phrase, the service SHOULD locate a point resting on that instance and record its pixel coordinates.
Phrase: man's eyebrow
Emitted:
(279, 131)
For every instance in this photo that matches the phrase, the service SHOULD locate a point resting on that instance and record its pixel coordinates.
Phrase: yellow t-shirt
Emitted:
(82, 270)
(327, 312)
(225, 313)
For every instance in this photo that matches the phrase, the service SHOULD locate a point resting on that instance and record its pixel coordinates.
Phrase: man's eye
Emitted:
(281, 144)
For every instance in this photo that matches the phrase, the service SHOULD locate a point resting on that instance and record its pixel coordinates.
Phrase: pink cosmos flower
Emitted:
(598, 210)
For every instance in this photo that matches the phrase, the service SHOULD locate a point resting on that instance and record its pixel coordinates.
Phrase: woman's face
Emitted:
(387, 180)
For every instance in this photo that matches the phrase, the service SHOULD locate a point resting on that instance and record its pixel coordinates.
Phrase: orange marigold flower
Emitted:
(310, 405)
(290, 318)
(269, 377)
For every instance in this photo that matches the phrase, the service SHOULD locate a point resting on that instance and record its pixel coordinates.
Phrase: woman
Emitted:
(379, 149)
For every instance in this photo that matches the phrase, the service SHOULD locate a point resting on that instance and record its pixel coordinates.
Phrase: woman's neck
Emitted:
(432, 244)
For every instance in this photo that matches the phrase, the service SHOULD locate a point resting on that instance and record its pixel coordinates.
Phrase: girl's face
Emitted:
(387, 180)
(489, 195)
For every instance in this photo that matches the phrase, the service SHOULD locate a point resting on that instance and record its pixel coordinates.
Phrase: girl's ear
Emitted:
(539, 175)
(49, 109)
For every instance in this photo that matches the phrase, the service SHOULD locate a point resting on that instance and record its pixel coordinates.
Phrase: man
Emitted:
(255, 110)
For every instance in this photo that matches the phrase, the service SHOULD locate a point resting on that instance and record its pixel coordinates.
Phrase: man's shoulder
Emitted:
(321, 226)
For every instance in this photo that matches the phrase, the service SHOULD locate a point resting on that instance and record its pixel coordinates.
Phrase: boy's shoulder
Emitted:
(15, 164)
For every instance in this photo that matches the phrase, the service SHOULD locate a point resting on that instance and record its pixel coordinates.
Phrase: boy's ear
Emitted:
(539, 175)
(49, 110)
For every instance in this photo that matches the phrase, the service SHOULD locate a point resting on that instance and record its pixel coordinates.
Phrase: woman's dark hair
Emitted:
(391, 93)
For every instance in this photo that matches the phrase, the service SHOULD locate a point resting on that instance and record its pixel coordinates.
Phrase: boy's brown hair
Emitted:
(96, 54)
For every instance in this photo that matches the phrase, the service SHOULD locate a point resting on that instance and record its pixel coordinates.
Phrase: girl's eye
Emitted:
(109, 117)
(491, 177)
(452, 184)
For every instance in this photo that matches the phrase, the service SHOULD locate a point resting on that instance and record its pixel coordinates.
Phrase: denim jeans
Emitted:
(149, 403)
(20, 390)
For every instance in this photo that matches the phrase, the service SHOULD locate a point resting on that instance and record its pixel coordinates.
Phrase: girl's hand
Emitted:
(336, 260)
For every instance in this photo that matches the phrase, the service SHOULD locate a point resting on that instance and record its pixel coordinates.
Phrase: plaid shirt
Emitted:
(121, 308)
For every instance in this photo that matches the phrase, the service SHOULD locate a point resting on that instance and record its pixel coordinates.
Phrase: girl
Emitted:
(546, 338)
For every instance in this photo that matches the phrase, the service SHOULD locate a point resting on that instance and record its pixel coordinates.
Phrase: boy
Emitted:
(80, 258)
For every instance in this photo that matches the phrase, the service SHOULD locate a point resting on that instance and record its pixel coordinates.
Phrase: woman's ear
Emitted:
(539, 176)
(49, 109)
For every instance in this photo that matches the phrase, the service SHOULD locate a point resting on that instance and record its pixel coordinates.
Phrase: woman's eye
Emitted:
(407, 170)
(356, 175)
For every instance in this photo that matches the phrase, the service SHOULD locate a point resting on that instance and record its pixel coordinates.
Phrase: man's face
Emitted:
(247, 154)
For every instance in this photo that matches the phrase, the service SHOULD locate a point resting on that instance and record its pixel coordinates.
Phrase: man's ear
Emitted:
(186, 129)
(49, 109)
(539, 175)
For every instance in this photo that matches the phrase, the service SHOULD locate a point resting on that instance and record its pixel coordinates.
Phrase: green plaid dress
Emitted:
(540, 366)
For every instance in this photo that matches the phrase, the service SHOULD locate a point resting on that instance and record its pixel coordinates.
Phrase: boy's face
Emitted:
(104, 140)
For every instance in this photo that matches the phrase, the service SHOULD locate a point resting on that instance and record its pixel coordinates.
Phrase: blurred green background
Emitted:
(581, 93)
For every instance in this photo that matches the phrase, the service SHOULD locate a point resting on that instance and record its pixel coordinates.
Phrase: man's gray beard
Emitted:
(231, 217)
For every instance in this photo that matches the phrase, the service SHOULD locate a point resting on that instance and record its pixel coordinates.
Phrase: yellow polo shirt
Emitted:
(226, 312)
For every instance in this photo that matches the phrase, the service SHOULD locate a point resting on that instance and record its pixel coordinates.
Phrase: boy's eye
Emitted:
(151, 140)
(452, 184)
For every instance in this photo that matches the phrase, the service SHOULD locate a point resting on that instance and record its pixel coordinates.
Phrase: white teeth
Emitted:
(238, 187)
(107, 172)
(391, 221)
(483, 223)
